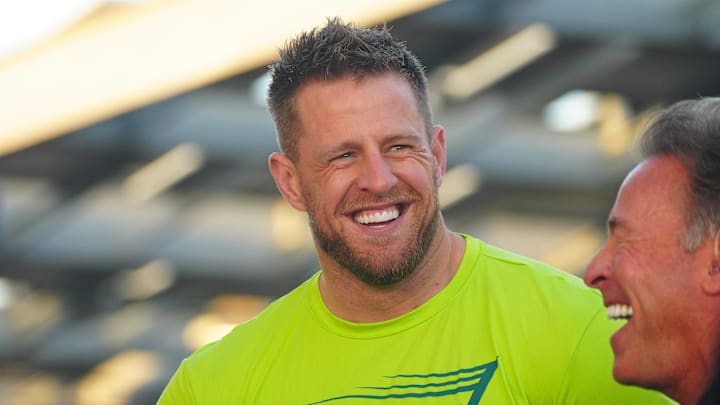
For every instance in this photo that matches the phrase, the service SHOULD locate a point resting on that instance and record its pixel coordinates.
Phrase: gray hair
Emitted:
(690, 131)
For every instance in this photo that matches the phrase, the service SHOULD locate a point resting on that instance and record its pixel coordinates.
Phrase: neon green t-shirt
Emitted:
(505, 330)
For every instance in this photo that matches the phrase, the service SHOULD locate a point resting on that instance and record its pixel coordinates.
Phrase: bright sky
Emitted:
(25, 23)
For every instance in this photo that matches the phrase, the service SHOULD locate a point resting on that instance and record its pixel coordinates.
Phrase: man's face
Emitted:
(368, 174)
(647, 276)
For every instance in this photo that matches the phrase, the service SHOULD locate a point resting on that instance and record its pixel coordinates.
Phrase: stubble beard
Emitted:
(381, 267)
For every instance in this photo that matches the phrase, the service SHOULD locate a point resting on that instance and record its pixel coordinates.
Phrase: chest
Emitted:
(434, 365)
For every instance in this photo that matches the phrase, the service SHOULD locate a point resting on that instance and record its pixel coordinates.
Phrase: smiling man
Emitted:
(402, 310)
(660, 269)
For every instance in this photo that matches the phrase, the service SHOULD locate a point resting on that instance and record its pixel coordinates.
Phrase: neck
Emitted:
(686, 395)
(695, 381)
(349, 298)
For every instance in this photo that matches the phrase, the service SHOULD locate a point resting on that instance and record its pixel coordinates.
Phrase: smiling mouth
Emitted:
(619, 311)
(377, 217)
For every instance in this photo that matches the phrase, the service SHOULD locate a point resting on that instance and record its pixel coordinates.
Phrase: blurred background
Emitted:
(138, 217)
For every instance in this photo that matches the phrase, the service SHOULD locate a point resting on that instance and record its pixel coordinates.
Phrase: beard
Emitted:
(381, 266)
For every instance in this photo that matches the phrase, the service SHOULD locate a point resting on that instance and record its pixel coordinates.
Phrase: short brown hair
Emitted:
(331, 52)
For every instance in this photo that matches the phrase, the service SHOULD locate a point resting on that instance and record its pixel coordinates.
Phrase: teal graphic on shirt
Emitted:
(473, 380)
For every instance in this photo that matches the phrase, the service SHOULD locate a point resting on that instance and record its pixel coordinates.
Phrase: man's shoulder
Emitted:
(513, 266)
(520, 284)
(261, 330)
(208, 372)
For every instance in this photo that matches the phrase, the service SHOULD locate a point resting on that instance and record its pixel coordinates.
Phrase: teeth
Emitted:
(619, 311)
(378, 216)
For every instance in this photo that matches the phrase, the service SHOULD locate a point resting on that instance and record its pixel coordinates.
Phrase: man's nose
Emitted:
(598, 270)
(376, 174)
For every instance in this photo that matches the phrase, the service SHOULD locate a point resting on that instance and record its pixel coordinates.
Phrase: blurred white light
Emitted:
(5, 293)
(460, 182)
(114, 381)
(289, 228)
(498, 62)
(31, 310)
(163, 172)
(573, 249)
(259, 89)
(224, 313)
(119, 328)
(25, 23)
(150, 54)
(205, 328)
(146, 281)
(574, 110)
(40, 388)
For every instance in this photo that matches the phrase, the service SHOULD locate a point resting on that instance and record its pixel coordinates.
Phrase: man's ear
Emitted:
(711, 281)
(439, 151)
(286, 178)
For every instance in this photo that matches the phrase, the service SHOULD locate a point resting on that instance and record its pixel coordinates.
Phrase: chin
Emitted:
(622, 379)
(634, 377)
(623, 375)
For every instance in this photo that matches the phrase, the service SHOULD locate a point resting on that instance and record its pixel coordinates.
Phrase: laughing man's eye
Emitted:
(343, 155)
(399, 147)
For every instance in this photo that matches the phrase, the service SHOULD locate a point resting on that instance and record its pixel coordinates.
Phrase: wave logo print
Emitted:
(406, 386)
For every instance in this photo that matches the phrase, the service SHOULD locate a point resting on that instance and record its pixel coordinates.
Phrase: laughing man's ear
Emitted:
(286, 178)
(439, 151)
(711, 281)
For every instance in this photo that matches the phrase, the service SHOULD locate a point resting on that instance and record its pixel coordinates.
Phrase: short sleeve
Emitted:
(178, 391)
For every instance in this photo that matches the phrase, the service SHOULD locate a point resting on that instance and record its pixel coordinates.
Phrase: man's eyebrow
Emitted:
(334, 149)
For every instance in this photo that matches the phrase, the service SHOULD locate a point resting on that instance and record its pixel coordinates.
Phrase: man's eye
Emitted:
(399, 147)
(343, 155)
